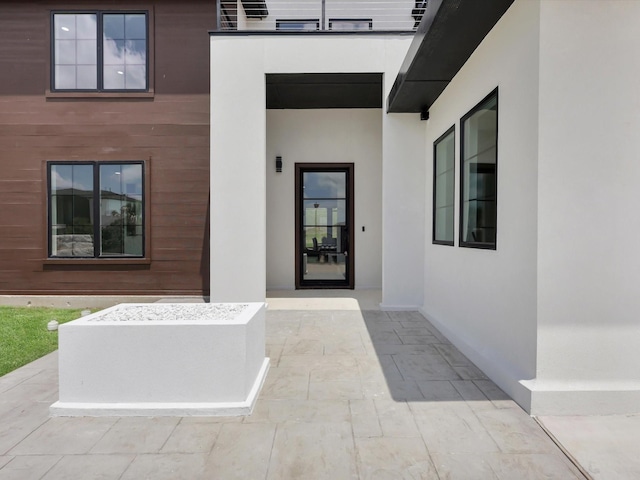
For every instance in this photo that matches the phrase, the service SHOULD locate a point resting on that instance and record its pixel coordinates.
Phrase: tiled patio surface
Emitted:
(351, 394)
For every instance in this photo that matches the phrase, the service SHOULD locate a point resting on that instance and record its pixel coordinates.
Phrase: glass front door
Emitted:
(323, 232)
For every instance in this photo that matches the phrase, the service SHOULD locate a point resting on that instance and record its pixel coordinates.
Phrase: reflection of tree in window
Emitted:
(117, 201)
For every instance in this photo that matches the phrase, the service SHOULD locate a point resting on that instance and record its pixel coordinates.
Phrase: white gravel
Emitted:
(171, 312)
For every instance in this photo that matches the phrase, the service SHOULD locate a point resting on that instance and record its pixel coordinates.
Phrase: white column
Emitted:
(588, 223)
(238, 192)
(403, 211)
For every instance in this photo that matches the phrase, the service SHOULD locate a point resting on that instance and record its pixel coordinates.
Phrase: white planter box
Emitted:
(163, 359)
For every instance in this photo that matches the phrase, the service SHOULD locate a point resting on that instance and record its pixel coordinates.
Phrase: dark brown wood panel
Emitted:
(22, 48)
(169, 130)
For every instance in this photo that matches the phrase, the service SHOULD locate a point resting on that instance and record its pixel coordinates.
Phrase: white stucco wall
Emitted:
(324, 136)
(589, 226)
(238, 213)
(485, 300)
(239, 161)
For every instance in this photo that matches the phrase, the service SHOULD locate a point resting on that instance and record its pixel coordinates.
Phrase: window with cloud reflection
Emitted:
(117, 63)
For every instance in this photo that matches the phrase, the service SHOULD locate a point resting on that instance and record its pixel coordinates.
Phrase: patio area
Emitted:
(353, 392)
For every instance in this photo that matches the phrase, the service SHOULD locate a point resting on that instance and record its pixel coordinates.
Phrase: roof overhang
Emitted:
(448, 34)
(324, 90)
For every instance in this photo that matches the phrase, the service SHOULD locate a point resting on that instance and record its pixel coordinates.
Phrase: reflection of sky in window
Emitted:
(125, 51)
(479, 132)
(76, 177)
(122, 179)
(75, 51)
(324, 185)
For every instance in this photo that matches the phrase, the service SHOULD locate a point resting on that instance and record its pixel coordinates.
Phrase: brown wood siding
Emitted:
(168, 130)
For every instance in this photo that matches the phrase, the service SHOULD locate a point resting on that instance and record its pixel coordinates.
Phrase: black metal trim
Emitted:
(461, 242)
(49, 229)
(100, 53)
(451, 243)
(448, 34)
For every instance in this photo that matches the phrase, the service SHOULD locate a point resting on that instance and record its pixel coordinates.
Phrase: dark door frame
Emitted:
(324, 167)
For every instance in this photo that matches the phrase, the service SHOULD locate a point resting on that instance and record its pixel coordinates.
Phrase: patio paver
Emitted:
(351, 394)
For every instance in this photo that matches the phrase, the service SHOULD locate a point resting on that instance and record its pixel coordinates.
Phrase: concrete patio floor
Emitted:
(352, 393)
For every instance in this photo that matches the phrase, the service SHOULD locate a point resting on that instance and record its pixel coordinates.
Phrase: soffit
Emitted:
(448, 34)
(324, 90)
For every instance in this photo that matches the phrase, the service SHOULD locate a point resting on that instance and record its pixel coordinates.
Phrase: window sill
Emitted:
(99, 95)
(96, 261)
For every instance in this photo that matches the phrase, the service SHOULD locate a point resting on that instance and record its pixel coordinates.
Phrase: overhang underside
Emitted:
(324, 90)
(449, 33)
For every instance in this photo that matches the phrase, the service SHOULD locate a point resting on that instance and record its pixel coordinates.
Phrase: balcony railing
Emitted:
(320, 15)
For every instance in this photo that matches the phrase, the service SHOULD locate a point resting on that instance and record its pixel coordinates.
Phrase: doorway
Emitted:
(324, 225)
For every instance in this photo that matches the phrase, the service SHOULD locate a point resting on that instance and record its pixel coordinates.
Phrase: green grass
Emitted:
(24, 336)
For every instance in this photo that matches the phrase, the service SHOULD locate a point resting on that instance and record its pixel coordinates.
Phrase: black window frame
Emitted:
(99, 46)
(289, 21)
(434, 240)
(363, 20)
(96, 210)
(479, 244)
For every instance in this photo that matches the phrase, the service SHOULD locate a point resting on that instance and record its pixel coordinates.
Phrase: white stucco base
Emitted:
(582, 398)
(123, 362)
(547, 397)
(385, 307)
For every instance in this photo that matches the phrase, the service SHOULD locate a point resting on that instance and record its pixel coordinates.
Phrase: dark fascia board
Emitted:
(326, 90)
(448, 34)
(255, 8)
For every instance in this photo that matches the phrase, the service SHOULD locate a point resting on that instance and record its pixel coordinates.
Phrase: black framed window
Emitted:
(478, 176)
(350, 24)
(444, 188)
(99, 51)
(96, 209)
(308, 25)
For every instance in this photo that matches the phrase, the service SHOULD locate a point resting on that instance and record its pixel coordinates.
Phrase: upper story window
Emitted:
(96, 209)
(443, 188)
(100, 51)
(479, 170)
(309, 25)
(350, 25)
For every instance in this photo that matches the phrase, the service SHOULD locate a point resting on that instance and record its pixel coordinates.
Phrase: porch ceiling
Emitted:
(447, 36)
(324, 90)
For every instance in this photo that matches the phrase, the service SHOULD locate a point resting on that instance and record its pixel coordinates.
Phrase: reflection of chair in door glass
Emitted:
(314, 251)
(328, 248)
